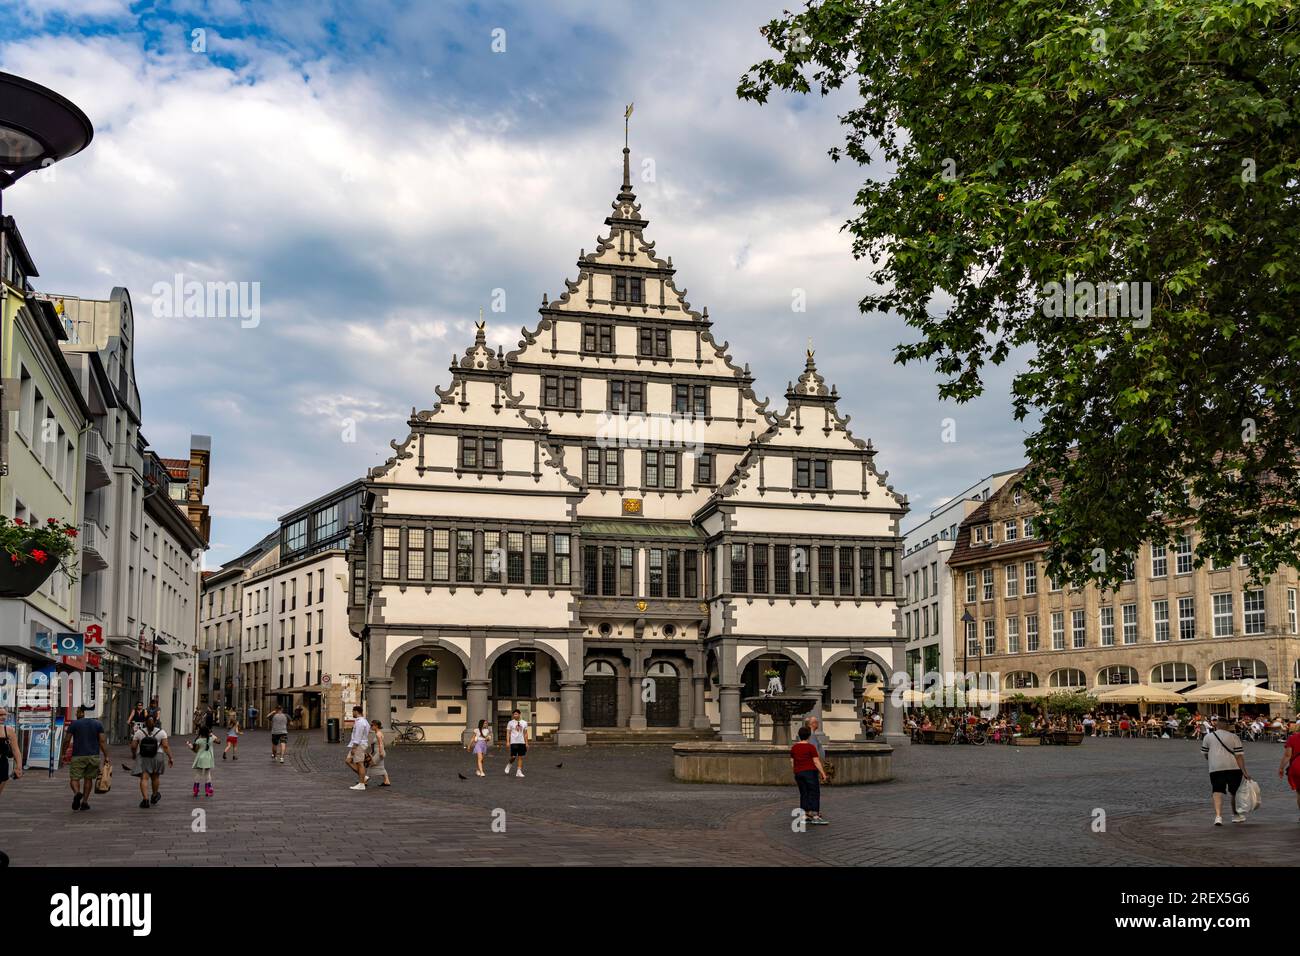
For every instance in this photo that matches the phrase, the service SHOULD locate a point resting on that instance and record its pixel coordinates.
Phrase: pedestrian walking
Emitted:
(517, 732)
(87, 741)
(136, 720)
(1223, 750)
(809, 775)
(10, 751)
(232, 739)
(1288, 771)
(378, 752)
(279, 733)
(154, 711)
(357, 747)
(479, 745)
(203, 760)
(153, 755)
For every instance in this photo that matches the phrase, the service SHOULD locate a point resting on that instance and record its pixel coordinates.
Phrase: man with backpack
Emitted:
(153, 755)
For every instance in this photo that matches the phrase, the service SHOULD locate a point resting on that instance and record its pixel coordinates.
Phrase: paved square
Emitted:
(992, 805)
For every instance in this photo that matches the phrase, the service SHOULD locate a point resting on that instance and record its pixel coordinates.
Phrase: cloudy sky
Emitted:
(380, 168)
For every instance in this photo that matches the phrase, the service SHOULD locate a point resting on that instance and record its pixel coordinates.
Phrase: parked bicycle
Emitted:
(406, 731)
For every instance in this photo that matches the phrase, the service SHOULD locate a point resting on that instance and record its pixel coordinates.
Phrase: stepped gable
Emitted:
(812, 422)
(625, 250)
(479, 396)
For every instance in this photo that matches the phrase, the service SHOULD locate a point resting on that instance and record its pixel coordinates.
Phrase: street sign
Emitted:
(94, 634)
(70, 645)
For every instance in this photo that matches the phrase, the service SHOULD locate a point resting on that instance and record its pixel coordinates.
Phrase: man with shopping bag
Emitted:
(1226, 756)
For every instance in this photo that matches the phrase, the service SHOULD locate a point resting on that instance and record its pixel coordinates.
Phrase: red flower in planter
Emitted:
(39, 556)
(71, 532)
(51, 520)
(18, 521)
(13, 558)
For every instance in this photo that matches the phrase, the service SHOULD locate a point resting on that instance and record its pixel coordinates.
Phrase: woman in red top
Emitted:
(1290, 768)
(808, 776)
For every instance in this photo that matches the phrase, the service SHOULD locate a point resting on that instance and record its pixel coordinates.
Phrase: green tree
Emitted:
(1046, 141)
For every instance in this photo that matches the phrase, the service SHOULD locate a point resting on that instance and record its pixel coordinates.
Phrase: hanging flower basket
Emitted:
(523, 665)
(429, 664)
(855, 676)
(771, 672)
(33, 552)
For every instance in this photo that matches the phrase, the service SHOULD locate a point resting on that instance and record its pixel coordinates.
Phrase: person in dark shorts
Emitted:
(279, 733)
(11, 751)
(1222, 748)
(517, 733)
(809, 775)
(86, 735)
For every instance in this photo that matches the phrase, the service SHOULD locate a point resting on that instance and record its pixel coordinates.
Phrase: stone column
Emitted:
(636, 706)
(729, 712)
(476, 706)
(699, 717)
(571, 733)
(892, 717)
(378, 700)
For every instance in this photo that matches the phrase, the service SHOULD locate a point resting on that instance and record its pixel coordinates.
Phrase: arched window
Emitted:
(1173, 672)
(661, 669)
(1239, 668)
(1018, 679)
(1067, 677)
(1117, 674)
(422, 681)
(598, 668)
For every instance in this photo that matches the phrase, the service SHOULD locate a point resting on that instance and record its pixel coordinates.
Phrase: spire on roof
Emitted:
(810, 383)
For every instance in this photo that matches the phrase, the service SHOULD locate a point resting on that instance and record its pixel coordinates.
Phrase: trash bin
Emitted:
(332, 730)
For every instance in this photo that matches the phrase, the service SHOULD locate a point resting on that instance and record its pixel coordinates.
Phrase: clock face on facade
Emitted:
(631, 506)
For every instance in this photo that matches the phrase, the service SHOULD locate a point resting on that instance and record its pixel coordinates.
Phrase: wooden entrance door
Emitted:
(600, 702)
(599, 695)
(662, 710)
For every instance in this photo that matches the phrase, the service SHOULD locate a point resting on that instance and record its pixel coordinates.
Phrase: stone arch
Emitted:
(566, 669)
(765, 652)
(431, 643)
(886, 670)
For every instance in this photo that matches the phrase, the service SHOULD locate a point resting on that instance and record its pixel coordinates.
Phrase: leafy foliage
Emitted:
(1145, 141)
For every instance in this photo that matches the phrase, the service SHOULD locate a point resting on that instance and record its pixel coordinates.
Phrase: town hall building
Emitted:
(608, 530)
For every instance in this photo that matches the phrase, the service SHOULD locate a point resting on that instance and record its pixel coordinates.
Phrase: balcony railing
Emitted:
(94, 549)
(99, 460)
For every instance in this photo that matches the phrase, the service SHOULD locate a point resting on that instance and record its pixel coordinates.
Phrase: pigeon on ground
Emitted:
(461, 775)
(559, 765)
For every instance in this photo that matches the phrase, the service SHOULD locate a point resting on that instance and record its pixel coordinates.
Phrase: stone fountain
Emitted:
(768, 762)
(781, 708)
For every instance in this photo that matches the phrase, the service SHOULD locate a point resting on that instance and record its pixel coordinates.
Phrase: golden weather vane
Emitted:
(627, 115)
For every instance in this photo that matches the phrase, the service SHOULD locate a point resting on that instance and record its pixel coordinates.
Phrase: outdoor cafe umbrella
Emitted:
(1243, 691)
(874, 694)
(1138, 694)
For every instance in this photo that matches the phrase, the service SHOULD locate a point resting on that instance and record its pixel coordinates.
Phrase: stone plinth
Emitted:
(765, 764)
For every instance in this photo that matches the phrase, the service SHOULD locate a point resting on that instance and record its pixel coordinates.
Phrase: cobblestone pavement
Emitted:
(620, 806)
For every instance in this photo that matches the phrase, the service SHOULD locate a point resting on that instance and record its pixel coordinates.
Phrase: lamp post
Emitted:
(38, 127)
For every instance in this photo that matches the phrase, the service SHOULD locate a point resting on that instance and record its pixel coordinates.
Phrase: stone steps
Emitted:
(651, 735)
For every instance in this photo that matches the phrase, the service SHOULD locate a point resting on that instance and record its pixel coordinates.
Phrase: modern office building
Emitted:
(927, 584)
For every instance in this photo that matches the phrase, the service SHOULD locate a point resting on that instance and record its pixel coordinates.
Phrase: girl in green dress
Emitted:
(202, 747)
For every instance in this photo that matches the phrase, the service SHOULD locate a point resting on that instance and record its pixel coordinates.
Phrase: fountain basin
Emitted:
(757, 763)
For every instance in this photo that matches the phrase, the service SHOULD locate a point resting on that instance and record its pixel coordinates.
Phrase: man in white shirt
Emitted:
(1222, 748)
(517, 732)
(357, 747)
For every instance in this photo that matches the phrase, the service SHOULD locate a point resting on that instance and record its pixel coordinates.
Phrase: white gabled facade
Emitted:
(608, 530)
